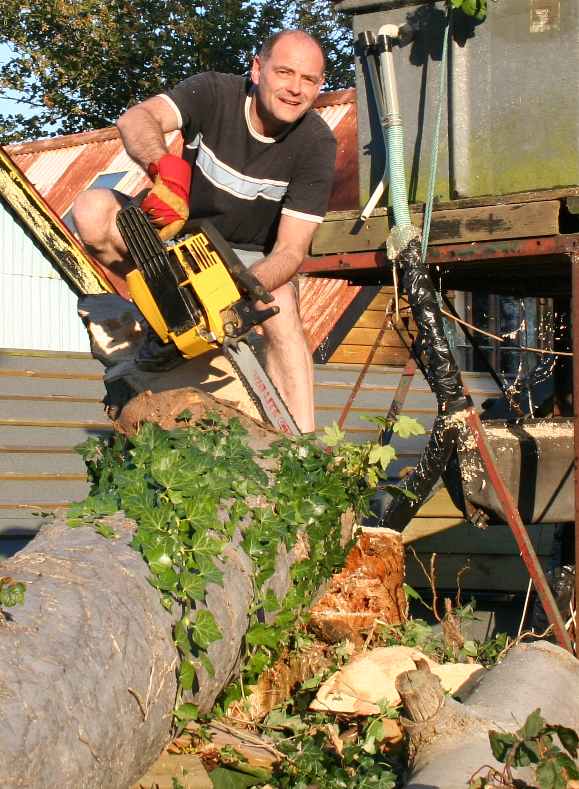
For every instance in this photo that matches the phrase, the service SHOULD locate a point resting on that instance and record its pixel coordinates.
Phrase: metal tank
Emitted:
(511, 115)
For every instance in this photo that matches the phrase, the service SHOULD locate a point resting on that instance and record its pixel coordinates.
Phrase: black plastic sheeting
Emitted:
(443, 376)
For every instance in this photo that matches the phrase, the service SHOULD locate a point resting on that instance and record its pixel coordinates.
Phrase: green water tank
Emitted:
(511, 108)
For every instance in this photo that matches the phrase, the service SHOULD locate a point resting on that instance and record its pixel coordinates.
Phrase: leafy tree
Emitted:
(77, 64)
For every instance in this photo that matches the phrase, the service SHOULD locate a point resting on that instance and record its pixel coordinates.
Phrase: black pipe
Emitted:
(444, 379)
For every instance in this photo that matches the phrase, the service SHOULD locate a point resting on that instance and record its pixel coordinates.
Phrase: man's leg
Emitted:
(94, 213)
(288, 358)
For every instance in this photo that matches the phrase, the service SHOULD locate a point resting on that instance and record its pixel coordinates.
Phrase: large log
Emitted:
(451, 739)
(88, 663)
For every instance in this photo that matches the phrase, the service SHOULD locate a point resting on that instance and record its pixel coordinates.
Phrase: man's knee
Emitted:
(287, 322)
(94, 214)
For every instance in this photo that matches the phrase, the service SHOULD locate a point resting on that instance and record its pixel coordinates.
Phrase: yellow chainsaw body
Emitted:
(212, 286)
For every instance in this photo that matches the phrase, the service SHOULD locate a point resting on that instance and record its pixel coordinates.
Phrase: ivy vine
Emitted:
(190, 488)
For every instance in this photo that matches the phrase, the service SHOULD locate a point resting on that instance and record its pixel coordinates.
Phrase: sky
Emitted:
(8, 107)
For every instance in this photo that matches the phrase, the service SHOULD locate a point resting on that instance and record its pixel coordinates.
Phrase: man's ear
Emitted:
(255, 70)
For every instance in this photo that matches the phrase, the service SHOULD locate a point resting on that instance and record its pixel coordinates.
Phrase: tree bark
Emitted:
(88, 664)
(451, 739)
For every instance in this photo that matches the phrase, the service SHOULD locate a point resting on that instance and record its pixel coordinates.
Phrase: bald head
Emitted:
(297, 36)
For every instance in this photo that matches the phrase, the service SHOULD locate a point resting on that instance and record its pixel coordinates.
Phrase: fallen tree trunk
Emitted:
(88, 664)
(451, 739)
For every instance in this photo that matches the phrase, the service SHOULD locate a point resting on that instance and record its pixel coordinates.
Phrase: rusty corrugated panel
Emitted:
(338, 108)
(322, 304)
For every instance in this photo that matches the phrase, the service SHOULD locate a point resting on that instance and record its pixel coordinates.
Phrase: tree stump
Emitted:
(369, 588)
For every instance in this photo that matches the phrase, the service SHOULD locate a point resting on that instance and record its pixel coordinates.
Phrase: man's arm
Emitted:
(142, 129)
(291, 246)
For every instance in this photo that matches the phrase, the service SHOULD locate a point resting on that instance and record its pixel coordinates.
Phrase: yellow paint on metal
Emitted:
(66, 254)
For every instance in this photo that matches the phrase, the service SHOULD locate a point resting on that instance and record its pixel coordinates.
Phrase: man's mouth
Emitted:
(291, 102)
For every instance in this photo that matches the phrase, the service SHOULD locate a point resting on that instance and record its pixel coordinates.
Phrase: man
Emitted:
(257, 163)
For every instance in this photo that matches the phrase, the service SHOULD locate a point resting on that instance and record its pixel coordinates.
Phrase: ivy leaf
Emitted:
(205, 661)
(568, 737)
(187, 675)
(333, 436)
(550, 774)
(204, 629)
(533, 726)
(263, 635)
(381, 455)
(106, 531)
(11, 592)
(187, 712)
(406, 426)
(224, 778)
(181, 635)
(203, 544)
(158, 559)
(501, 743)
(208, 570)
(192, 585)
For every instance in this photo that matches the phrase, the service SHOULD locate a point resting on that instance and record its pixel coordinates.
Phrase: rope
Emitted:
(434, 161)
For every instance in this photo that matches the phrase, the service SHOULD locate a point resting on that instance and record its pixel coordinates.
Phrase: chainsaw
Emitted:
(197, 296)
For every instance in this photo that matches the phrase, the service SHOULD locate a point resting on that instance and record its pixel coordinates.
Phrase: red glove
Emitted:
(167, 204)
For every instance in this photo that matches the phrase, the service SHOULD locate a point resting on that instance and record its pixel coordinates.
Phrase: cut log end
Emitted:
(368, 589)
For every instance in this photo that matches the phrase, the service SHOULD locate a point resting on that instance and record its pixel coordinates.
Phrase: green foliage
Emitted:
(475, 8)
(369, 461)
(533, 745)
(419, 634)
(188, 491)
(323, 751)
(11, 592)
(78, 64)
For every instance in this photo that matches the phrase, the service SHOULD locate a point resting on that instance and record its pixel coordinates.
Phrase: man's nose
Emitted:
(295, 84)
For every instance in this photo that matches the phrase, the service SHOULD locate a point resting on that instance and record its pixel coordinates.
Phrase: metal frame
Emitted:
(367, 267)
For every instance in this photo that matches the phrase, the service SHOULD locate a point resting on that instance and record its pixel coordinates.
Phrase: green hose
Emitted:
(398, 191)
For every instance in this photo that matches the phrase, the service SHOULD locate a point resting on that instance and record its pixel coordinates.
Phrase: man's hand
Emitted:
(167, 204)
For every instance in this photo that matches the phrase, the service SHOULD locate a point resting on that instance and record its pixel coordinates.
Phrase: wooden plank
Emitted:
(19, 522)
(367, 337)
(65, 436)
(60, 412)
(440, 506)
(50, 374)
(88, 424)
(42, 476)
(540, 195)
(186, 768)
(357, 354)
(47, 354)
(486, 573)
(37, 386)
(419, 528)
(41, 463)
(16, 493)
(496, 539)
(486, 223)
(374, 319)
(49, 398)
(51, 364)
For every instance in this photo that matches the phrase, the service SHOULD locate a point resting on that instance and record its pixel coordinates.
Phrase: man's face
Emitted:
(287, 82)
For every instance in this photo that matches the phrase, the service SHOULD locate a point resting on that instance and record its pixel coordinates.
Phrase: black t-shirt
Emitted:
(241, 179)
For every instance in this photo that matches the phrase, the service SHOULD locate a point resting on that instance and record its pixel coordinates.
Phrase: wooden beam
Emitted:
(483, 223)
